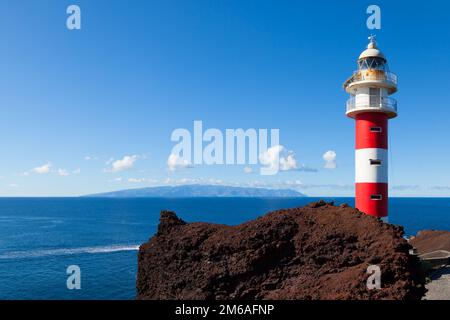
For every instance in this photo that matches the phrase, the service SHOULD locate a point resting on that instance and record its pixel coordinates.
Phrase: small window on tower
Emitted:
(375, 162)
(376, 197)
(376, 129)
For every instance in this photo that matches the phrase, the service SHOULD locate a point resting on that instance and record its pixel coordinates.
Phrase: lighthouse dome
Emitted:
(372, 51)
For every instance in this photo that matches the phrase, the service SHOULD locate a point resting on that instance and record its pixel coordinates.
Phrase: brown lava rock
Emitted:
(427, 241)
(320, 251)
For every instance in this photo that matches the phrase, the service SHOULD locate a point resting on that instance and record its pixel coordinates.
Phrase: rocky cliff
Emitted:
(319, 251)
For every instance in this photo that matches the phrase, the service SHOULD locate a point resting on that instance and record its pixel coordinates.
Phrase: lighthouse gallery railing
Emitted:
(375, 102)
(372, 75)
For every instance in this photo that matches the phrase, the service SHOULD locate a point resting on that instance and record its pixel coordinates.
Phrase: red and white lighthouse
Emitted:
(370, 105)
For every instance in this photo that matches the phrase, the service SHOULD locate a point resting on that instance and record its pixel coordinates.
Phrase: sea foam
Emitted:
(67, 251)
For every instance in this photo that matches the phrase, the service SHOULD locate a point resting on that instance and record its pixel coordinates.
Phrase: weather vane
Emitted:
(372, 38)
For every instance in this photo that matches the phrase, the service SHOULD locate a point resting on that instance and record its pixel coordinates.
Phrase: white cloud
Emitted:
(63, 172)
(119, 179)
(330, 159)
(270, 158)
(13, 185)
(281, 184)
(248, 170)
(43, 169)
(183, 181)
(273, 159)
(142, 180)
(174, 162)
(127, 162)
(306, 168)
(292, 183)
(188, 181)
(87, 158)
(440, 187)
(288, 163)
(329, 186)
(76, 171)
(405, 187)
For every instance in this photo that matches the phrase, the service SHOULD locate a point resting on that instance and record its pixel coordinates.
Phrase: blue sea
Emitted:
(41, 237)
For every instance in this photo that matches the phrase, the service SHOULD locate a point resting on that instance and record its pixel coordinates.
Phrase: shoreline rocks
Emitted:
(319, 251)
(427, 241)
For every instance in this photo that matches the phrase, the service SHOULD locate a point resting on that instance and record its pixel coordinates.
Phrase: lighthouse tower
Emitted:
(371, 107)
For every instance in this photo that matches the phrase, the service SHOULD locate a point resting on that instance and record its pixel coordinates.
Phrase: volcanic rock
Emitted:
(427, 241)
(320, 251)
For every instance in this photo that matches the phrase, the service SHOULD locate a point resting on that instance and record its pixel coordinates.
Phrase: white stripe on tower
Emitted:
(371, 165)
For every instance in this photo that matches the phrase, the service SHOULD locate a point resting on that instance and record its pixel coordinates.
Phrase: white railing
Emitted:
(375, 102)
(374, 75)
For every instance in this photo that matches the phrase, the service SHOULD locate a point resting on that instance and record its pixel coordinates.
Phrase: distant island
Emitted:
(196, 190)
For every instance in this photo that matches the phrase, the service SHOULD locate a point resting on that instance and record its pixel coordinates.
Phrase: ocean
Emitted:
(41, 237)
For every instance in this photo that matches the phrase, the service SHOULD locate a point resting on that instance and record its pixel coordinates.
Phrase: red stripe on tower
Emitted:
(371, 107)
(371, 130)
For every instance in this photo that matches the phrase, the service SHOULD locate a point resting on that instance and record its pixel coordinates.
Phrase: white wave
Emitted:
(67, 251)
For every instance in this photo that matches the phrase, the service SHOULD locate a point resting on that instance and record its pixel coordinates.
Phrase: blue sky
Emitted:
(74, 102)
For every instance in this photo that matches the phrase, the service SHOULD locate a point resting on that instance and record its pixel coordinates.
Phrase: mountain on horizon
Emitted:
(196, 190)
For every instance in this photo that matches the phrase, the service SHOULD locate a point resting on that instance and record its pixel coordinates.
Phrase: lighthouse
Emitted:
(371, 106)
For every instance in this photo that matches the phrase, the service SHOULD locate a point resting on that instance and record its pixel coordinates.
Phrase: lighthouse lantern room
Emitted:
(371, 107)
